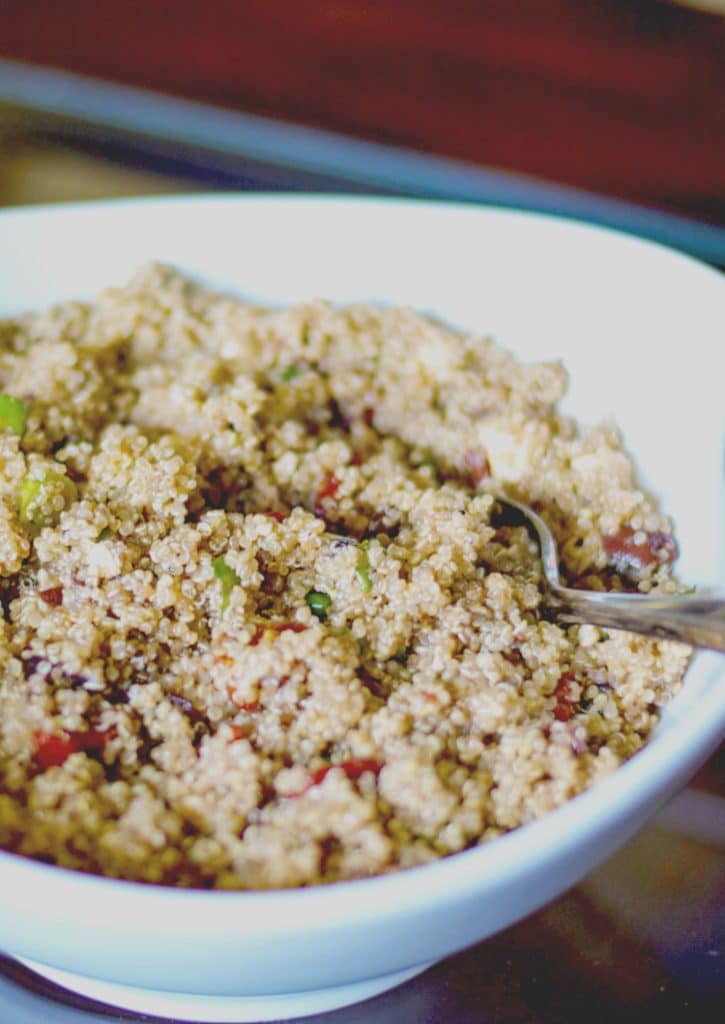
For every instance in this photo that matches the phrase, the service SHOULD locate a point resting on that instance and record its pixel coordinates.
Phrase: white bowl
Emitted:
(641, 330)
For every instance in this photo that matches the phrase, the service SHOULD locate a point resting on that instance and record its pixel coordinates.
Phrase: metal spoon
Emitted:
(698, 621)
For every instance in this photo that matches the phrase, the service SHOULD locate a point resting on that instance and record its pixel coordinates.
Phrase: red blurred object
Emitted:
(623, 98)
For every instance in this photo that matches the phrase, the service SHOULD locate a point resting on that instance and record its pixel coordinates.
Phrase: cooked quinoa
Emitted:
(262, 627)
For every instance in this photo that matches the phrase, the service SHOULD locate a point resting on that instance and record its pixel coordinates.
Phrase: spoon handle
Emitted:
(698, 621)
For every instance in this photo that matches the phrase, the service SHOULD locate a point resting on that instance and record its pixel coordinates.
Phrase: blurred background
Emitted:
(576, 106)
(610, 111)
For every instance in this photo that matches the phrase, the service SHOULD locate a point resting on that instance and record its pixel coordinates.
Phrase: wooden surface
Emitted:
(625, 98)
(34, 172)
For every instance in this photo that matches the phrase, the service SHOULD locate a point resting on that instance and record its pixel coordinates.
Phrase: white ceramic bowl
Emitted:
(641, 330)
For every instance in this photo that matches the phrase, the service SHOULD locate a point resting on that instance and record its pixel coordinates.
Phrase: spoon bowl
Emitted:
(694, 620)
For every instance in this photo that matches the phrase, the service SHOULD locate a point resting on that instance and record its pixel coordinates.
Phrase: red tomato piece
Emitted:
(477, 466)
(630, 549)
(52, 751)
(564, 710)
(353, 769)
(328, 489)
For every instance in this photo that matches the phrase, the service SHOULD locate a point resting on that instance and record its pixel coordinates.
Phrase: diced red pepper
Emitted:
(256, 636)
(328, 489)
(353, 770)
(630, 549)
(317, 776)
(238, 733)
(53, 750)
(477, 466)
(53, 596)
(368, 416)
(274, 513)
(564, 708)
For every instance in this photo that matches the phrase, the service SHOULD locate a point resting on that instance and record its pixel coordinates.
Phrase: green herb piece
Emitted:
(290, 372)
(318, 603)
(688, 591)
(363, 569)
(28, 497)
(228, 579)
(13, 414)
(105, 534)
(36, 504)
(428, 464)
(402, 655)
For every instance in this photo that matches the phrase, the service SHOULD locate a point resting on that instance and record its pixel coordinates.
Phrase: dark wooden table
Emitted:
(626, 98)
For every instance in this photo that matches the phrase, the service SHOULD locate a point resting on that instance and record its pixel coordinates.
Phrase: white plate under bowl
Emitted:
(642, 331)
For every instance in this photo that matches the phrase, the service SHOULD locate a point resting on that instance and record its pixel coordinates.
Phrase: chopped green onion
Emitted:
(13, 414)
(428, 463)
(318, 603)
(105, 534)
(402, 655)
(363, 569)
(290, 372)
(36, 505)
(28, 495)
(228, 579)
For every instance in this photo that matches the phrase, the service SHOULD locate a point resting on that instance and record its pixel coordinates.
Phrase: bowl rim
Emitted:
(437, 206)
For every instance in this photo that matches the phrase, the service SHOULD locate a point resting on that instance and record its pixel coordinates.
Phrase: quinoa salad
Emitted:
(262, 624)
